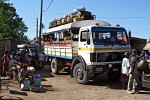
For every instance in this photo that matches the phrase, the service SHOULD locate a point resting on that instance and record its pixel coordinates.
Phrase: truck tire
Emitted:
(80, 75)
(54, 66)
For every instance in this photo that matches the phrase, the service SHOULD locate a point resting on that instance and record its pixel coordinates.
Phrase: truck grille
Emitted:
(106, 57)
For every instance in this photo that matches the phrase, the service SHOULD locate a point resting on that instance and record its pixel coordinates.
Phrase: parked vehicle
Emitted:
(29, 48)
(146, 72)
(87, 47)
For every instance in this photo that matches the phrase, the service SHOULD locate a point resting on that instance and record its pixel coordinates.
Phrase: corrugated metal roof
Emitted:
(147, 47)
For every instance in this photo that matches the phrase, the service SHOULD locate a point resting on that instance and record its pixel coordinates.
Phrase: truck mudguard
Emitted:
(76, 60)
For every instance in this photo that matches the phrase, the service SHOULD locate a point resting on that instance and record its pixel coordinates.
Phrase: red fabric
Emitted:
(33, 62)
(5, 65)
(124, 76)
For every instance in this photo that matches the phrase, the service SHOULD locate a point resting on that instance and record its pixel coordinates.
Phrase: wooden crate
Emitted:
(58, 22)
(76, 19)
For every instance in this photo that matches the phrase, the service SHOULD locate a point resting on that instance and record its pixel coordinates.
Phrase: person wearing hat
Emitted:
(142, 64)
(125, 69)
(133, 73)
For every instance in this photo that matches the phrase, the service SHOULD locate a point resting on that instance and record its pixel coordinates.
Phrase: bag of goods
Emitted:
(68, 18)
(54, 23)
(141, 64)
(62, 20)
(58, 22)
(75, 19)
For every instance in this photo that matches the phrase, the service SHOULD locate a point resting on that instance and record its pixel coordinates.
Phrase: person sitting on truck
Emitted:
(125, 69)
(51, 39)
(113, 37)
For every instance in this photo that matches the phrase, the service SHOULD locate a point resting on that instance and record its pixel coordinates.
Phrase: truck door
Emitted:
(84, 47)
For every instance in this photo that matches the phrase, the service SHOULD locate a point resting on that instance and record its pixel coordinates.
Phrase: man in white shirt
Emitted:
(124, 69)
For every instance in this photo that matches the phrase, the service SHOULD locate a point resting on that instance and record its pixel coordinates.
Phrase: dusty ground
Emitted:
(62, 87)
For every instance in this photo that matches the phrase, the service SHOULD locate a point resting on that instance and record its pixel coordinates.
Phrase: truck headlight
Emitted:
(110, 65)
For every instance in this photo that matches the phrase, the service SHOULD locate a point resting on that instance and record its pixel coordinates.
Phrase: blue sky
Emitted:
(134, 15)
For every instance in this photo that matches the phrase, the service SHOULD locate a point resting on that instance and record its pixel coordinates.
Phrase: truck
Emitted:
(30, 48)
(87, 48)
(146, 71)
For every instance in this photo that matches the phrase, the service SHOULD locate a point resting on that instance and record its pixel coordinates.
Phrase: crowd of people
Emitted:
(10, 58)
(21, 62)
(132, 69)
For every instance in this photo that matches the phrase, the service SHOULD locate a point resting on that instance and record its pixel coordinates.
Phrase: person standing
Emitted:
(41, 60)
(142, 65)
(133, 73)
(125, 70)
(28, 59)
(5, 61)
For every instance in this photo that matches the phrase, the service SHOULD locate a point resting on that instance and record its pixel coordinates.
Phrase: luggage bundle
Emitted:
(77, 15)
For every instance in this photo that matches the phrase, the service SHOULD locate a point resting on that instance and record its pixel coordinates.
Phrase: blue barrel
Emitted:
(37, 79)
(35, 76)
(37, 82)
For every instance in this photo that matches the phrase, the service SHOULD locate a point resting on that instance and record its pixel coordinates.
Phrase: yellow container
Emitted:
(76, 19)
(63, 21)
(58, 22)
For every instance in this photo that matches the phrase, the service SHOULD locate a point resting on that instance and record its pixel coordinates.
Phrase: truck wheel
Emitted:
(114, 75)
(54, 66)
(80, 75)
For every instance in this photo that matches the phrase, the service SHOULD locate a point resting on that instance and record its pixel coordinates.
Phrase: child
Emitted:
(125, 68)
(23, 74)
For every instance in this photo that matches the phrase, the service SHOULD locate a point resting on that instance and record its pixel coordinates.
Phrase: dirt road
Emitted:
(62, 87)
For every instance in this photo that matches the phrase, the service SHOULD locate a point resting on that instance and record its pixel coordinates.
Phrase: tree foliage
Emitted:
(11, 25)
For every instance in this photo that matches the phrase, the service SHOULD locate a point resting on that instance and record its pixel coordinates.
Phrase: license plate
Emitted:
(99, 69)
(115, 69)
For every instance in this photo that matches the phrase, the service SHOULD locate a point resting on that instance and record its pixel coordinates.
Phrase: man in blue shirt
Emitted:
(133, 73)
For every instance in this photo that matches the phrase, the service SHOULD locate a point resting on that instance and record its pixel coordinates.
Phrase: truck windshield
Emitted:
(109, 36)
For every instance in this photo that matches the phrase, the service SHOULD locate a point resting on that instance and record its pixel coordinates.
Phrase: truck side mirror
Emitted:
(129, 34)
(88, 38)
(88, 41)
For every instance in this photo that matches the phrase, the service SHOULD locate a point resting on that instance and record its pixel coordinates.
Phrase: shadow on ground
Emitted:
(144, 92)
(48, 87)
(7, 97)
(18, 93)
(43, 89)
(102, 80)
(44, 73)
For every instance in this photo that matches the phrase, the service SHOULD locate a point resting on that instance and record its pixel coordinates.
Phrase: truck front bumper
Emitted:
(95, 69)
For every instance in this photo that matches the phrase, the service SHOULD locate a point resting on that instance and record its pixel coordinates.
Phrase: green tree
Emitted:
(11, 25)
